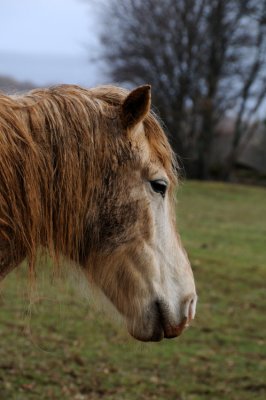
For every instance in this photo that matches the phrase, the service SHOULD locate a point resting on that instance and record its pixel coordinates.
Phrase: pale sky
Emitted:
(45, 26)
(34, 31)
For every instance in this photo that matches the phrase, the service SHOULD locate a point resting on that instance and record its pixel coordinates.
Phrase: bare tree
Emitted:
(204, 59)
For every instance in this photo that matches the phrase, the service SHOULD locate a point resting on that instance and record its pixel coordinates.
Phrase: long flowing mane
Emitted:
(53, 144)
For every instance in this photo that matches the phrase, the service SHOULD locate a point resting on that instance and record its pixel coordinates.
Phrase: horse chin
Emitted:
(145, 332)
(156, 336)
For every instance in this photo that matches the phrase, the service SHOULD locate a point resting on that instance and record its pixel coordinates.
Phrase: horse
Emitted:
(89, 176)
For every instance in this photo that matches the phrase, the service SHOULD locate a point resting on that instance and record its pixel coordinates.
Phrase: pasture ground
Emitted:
(59, 348)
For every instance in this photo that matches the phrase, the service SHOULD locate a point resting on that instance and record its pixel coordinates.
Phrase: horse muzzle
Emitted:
(163, 324)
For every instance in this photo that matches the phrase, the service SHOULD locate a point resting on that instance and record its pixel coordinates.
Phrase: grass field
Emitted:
(61, 349)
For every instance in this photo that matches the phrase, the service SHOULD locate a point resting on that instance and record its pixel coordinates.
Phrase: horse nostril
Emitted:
(190, 308)
(171, 326)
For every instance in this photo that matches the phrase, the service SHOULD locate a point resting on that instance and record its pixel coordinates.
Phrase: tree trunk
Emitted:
(205, 139)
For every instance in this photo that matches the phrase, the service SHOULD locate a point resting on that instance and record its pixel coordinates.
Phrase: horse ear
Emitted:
(136, 106)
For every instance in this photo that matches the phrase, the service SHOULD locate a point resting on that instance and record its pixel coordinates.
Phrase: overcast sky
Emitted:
(59, 32)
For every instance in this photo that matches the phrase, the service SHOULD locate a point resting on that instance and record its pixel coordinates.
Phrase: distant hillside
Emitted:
(10, 85)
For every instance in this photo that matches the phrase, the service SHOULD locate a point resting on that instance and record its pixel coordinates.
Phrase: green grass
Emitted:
(61, 349)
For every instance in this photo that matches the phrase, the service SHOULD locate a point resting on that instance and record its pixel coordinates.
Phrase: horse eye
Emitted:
(159, 186)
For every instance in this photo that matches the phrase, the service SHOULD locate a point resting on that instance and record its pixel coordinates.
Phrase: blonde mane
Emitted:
(53, 145)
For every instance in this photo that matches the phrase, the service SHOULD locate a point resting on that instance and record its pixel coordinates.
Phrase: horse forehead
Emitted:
(141, 144)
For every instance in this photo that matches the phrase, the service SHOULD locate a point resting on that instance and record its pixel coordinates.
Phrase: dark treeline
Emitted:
(206, 62)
